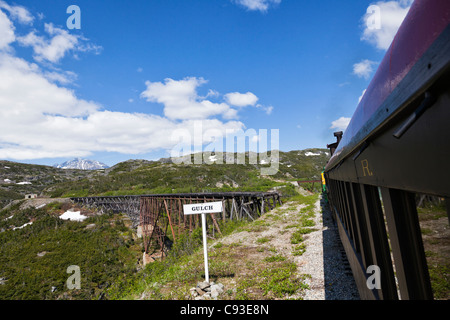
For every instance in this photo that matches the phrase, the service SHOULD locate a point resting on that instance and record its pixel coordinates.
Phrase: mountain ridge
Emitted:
(138, 176)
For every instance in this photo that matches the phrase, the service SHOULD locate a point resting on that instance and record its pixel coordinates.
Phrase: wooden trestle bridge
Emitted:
(156, 215)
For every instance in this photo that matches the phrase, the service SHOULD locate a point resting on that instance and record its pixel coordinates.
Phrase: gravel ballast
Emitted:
(325, 261)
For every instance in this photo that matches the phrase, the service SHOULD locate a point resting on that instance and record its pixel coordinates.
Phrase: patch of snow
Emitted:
(7, 180)
(72, 215)
(8, 218)
(26, 224)
(40, 206)
(263, 162)
(5, 167)
(213, 158)
(309, 154)
(23, 182)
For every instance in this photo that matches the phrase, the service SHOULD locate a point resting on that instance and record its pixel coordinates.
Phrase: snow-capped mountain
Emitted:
(83, 164)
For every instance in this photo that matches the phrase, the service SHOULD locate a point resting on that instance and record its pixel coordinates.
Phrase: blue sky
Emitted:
(138, 72)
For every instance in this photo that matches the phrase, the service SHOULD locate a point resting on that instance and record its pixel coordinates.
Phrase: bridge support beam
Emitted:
(162, 212)
(154, 214)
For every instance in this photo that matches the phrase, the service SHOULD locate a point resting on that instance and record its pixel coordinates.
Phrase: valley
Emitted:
(37, 245)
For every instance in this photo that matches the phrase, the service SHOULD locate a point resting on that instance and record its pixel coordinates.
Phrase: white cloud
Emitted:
(181, 100)
(211, 93)
(61, 76)
(268, 109)
(6, 32)
(382, 21)
(340, 124)
(257, 5)
(363, 69)
(241, 99)
(25, 89)
(56, 47)
(18, 12)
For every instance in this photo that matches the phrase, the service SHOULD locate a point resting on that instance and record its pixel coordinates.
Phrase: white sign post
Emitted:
(203, 209)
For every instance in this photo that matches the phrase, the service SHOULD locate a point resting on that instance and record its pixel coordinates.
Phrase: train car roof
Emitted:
(419, 53)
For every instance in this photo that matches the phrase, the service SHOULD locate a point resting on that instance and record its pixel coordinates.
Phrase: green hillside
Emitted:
(37, 247)
(18, 179)
(163, 176)
(145, 177)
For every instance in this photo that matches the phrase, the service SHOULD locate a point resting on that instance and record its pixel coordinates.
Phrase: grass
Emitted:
(296, 237)
(276, 280)
(280, 280)
(440, 280)
(433, 223)
(257, 226)
(299, 250)
(274, 258)
(306, 230)
(263, 240)
(307, 200)
(305, 222)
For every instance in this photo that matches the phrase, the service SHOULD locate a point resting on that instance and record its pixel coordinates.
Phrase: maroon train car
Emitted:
(397, 144)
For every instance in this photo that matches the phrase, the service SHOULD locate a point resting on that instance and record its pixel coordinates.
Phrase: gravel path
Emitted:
(325, 261)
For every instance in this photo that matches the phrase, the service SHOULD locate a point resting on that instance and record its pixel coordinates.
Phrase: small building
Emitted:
(30, 196)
